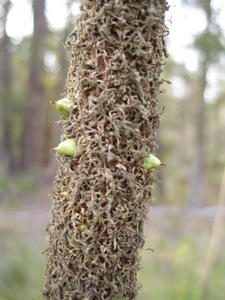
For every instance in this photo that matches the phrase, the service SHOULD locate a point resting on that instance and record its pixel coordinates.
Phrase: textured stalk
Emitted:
(117, 50)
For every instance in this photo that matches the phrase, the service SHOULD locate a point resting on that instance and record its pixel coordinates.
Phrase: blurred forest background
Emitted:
(33, 70)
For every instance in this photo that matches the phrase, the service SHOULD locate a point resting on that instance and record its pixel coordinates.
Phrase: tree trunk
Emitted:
(33, 150)
(6, 81)
(197, 181)
(63, 60)
(116, 54)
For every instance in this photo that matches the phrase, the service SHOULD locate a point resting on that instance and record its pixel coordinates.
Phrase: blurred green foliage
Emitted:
(25, 184)
(18, 185)
(175, 270)
(21, 275)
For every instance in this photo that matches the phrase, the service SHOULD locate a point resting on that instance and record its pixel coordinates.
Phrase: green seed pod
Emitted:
(151, 162)
(64, 193)
(81, 227)
(69, 148)
(63, 106)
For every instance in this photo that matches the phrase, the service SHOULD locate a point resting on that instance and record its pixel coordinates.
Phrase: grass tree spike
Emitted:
(63, 106)
(117, 52)
(69, 148)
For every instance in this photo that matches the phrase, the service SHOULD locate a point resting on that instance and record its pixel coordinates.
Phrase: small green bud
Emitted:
(151, 162)
(64, 194)
(81, 227)
(68, 147)
(63, 106)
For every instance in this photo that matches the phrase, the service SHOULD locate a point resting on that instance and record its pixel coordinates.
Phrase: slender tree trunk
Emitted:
(197, 179)
(63, 59)
(33, 150)
(217, 235)
(116, 54)
(6, 81)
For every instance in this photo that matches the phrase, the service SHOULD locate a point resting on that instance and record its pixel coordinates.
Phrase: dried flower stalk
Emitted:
(117, 51)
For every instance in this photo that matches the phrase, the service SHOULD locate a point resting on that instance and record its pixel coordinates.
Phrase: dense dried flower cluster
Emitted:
(116, 50)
